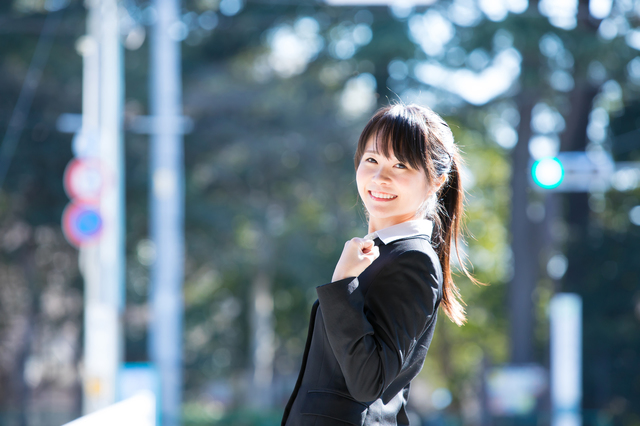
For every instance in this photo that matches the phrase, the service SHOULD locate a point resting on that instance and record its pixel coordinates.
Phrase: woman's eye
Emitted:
(370, 160)
(401, 166)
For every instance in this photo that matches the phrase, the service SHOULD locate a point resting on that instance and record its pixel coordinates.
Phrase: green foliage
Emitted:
(270, 191)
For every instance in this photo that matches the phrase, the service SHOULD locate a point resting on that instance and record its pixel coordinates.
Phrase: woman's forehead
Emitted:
(380, 146)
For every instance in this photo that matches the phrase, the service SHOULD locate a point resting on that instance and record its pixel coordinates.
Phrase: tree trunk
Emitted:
(525, 243)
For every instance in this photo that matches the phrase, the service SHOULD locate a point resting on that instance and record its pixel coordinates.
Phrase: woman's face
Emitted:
(392, 192)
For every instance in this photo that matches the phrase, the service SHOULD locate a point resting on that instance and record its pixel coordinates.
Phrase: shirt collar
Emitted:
(403, 230)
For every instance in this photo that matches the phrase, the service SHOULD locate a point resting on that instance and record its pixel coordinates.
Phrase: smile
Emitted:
(382, 196)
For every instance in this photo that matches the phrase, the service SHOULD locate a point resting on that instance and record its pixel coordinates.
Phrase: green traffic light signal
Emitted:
(547, 172)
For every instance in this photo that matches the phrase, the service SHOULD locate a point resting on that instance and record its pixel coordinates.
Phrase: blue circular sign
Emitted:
(81, 224)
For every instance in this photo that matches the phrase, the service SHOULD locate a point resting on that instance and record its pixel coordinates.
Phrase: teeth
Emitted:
(382, 195)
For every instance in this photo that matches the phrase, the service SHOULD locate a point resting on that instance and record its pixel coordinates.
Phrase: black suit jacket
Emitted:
(368, 338)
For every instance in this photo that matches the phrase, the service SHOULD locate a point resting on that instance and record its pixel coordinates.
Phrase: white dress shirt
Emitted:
(402, 230)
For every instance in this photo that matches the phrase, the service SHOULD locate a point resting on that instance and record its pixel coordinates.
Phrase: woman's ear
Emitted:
(438, 184)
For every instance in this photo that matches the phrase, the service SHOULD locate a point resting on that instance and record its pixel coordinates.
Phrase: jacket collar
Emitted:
(403, 230)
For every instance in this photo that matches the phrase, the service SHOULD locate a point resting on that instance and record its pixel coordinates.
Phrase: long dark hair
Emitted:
(419, 137)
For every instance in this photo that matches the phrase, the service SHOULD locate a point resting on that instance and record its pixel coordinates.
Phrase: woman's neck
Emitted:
(376, 224)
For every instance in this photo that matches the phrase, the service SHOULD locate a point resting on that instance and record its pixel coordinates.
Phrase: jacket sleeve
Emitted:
(371, 337)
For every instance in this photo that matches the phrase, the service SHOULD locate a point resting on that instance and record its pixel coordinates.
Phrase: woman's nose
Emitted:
(381, 175)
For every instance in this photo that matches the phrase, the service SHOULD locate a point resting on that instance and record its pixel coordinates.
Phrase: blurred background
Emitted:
(201, 153)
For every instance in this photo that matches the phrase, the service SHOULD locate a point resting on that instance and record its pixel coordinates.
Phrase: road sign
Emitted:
(84, 180)
(81, 224)
(85, 143)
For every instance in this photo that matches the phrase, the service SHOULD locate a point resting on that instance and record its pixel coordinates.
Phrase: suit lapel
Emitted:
(307, 345)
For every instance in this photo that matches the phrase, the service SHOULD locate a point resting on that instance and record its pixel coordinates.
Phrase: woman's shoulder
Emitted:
(407, 272)
(415, 247)
(414, 253)
(418, 244)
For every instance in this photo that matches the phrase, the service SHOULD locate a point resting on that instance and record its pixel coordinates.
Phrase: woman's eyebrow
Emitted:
(373, 151)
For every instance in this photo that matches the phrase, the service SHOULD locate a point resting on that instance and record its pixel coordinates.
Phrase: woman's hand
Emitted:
(356, 256)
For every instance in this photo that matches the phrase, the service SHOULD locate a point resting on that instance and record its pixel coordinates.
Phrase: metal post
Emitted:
(89, 257)
(103, 264)
(167, 211)
(566, 359)
(112, 243)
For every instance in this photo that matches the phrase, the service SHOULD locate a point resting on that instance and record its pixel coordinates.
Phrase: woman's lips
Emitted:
(381, 196)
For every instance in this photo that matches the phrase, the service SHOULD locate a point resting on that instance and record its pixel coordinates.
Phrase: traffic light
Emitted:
(547, 172)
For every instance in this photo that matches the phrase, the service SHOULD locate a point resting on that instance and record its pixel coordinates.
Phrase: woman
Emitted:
(372, 325)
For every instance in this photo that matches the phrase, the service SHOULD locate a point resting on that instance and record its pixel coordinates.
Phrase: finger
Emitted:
(366, 246)
(372, 254)
(354, 242)
(366, 243)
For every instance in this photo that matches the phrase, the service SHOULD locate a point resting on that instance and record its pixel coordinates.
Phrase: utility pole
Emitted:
(167, 210)
(102, 264)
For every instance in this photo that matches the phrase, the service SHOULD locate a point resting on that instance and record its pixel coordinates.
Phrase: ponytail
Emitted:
(447, 227)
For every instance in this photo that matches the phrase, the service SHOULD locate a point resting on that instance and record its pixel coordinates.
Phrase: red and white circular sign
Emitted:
(84, 180)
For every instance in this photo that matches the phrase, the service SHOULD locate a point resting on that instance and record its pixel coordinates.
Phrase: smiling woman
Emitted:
(393, 192)
(372, 325)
